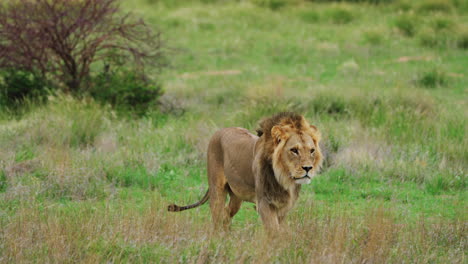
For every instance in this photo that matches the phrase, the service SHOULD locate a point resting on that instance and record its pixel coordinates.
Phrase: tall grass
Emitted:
(143, 232)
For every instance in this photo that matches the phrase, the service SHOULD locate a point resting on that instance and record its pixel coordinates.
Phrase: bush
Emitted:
(271, 4)
(3, 181)
(18, 85)
(373, 37)
(63, 39)
(132, 176)
(461, 6)
(429, 6)
(443, 183)
(66, 121)
(403, 5)
(309, 16)
(125, 89)
(462, 41)
(358, 1)
(443, 33)
(433, 39)
(442, 23)
(407, 25)
(339, 15)
(433, 78)
(325, 104)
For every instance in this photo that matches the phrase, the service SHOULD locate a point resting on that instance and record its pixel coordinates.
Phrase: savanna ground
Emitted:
(385, 84)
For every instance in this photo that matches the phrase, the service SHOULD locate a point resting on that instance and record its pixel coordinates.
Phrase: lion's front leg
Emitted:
(269, 216)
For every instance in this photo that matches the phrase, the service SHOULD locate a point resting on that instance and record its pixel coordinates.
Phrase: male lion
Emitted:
(267, 169)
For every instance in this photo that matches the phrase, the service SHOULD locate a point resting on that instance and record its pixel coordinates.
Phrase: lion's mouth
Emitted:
(302, 180)
(303, 177)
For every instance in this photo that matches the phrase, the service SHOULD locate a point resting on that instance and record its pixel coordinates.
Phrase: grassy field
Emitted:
(385, 84)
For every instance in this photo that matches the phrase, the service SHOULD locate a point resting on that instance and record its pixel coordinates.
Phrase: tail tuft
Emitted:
(173, 208)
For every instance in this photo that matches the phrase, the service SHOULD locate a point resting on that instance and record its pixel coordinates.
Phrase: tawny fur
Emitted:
(263, 169)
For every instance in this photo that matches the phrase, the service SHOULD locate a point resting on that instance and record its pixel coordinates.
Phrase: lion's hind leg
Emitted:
(217, 182)
(231, 209)
(218, 185)
(217, 203)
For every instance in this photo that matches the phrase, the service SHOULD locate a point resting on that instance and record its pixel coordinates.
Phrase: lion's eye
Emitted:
(294, 150)
(312, 151)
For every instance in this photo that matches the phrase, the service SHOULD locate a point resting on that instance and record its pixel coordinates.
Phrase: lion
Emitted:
(266, 169)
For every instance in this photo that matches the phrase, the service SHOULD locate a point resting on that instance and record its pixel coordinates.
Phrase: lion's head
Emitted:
(292, 146)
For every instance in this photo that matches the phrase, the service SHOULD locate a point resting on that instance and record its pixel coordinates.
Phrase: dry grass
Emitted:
(123, 233)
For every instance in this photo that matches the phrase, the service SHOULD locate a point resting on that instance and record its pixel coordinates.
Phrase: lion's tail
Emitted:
(176, 208)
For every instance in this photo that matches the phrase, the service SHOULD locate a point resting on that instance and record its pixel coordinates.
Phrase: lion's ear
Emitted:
(276, 133)
(316, 133)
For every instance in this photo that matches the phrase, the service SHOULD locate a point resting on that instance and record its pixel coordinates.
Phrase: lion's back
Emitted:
(232, 150)
(232, 143)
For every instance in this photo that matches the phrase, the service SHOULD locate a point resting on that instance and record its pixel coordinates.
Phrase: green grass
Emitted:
(385, 84)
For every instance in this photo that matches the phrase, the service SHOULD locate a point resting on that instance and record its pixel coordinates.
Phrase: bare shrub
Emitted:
(62, 39)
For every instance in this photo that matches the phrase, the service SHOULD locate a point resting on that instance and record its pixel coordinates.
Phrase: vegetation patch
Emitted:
(24, 154)
(3, 181)
(339, 15)
(309, 16)
(431, 6)
(17, 85)
(440, 23)
(433, 78)
(461, 6)
(125, 90)
(129, 176)
(462, 41)
(407, 24)
(65, 121)
(272, 4)
(403, 5)
(442, 33)
(440, 184)
(330, 105)
(358, 1)
(373, 37)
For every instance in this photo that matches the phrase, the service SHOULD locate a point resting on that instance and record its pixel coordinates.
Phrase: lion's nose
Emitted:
(307, 168)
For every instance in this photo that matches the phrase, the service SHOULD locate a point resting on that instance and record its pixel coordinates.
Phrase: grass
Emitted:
(82, 183)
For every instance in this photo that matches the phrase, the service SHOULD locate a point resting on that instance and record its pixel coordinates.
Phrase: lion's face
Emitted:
(297, 155)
